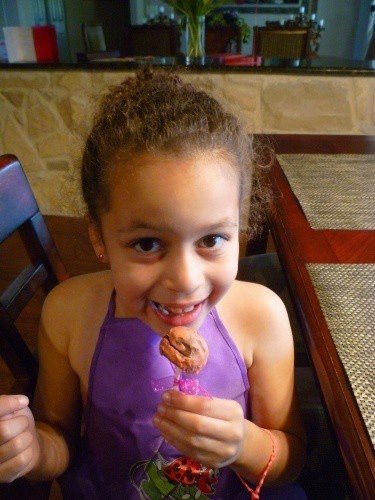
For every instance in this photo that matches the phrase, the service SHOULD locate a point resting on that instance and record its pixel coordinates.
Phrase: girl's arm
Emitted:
(215, 432)
(273, 401)
(57, 402)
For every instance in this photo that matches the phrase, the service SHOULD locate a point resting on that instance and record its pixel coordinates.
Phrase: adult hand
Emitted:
(210, 430)
(19, 446)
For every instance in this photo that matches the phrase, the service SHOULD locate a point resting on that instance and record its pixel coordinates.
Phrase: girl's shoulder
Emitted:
(256, 318)
(246, 300)
(83, 290)
(75, 306)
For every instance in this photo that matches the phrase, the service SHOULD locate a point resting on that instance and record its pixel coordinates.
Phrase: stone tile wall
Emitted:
(45, 116)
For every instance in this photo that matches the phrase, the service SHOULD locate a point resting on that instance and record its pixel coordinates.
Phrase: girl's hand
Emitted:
(210, 430)
(19, 446)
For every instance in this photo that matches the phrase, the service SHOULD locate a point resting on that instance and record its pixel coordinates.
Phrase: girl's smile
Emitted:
(177, 315)
(171, 238)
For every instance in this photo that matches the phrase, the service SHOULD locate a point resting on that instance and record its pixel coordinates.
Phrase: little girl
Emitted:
(166, 176)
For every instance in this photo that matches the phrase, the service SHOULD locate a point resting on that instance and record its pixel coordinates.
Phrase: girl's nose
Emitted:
(183, 272)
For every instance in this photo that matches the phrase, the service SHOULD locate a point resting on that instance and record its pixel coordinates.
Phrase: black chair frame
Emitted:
(19, 211)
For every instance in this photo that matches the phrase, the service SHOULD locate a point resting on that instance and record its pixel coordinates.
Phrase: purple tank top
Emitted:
(122, 455)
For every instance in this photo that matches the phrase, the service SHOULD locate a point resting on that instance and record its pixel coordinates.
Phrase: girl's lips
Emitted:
(177, 316)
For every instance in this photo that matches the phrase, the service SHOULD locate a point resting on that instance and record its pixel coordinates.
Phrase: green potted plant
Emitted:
(220, 18)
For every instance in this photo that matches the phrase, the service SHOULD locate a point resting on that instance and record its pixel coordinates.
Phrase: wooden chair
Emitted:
(283, 43)
(152, 40)
(219, 39)
(19, 212)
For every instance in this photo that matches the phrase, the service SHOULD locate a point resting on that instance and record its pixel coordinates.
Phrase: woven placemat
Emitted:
(335, 191)
(346, 294)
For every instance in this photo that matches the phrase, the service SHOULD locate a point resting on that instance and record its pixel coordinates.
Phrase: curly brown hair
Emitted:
(155, 113)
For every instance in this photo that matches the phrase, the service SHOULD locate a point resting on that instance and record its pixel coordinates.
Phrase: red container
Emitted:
(45, 43)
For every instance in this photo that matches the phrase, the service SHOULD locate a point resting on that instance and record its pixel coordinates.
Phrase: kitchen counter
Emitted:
(46, 110)
(224, 64)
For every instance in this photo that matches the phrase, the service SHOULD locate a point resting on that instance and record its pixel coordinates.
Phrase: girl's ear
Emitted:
(97, 240)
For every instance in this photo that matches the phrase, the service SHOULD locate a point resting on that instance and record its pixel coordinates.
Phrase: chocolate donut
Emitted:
(185, 348)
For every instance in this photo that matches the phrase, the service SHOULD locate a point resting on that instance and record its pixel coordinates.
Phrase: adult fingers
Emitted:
(11, 404)
(15, 446)
(10, 428)
(16, 466)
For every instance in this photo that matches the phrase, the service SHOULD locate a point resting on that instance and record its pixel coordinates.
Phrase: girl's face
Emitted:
(171, 238)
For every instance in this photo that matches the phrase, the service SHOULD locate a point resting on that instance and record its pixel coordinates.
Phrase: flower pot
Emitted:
(195, 36)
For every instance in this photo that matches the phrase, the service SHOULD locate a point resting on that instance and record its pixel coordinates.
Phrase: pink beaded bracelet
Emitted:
(255, 493)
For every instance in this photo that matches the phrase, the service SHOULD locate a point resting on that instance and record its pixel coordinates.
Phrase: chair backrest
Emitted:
(151, 40)
(222, 39)
(283, 43)
(19, 212)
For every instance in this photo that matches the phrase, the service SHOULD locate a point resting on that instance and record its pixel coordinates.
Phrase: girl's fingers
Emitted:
(211, 430)
(174, 433)
(206, 455)
(222, 409)
(188, 422)
(208, 450)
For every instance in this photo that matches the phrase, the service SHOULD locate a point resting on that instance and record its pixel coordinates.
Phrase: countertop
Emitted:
(320, 66)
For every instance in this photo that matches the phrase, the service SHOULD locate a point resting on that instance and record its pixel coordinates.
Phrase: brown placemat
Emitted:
(335, 191)
(346, 293)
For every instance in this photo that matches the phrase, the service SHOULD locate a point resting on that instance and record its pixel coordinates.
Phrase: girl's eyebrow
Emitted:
(225, 223)
(136, 225)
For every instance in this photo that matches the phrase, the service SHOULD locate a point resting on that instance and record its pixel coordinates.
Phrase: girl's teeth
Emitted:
(163, 310)
(174, 310)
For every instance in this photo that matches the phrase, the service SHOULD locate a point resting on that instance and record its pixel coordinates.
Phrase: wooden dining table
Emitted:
(303, 248)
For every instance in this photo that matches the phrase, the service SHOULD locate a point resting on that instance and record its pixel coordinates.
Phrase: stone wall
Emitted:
(45, 116)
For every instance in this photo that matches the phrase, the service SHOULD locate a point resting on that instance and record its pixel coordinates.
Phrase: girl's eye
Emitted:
(212, 241)
(147, 245)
